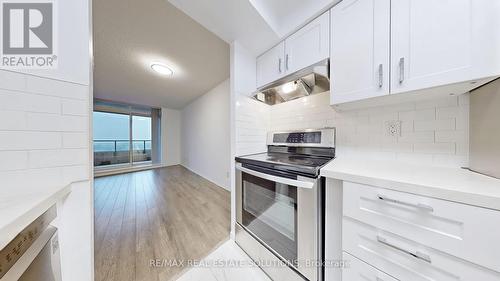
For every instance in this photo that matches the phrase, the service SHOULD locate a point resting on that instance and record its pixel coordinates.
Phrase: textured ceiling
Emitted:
(130, 34)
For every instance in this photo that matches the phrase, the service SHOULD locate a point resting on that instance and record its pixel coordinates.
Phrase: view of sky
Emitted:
(111, 126)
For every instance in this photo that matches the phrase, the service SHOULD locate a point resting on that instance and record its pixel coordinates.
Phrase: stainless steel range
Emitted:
(280, 203)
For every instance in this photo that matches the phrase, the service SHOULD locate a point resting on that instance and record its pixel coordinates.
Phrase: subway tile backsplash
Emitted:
(433, 132)
(252, 125)
(44, 127)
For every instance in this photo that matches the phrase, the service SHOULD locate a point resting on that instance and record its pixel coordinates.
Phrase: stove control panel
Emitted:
(317, 138)
(303, 137)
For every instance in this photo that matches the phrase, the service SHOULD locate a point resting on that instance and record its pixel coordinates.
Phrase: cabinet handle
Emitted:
(415, 205)
(415, 254)
(286, 61)
(380, 75)
(279, 65)
(401, 70)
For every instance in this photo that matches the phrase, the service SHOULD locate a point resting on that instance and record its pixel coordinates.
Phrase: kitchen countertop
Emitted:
(20, 207)
(453, 184)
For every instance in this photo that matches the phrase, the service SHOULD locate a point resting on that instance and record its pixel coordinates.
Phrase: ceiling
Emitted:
(130, 34)
(231, 20)
(255, 24)
(190, 36)
(285, 16)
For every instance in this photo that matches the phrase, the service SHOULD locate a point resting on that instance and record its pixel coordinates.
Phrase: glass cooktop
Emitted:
(296, 163)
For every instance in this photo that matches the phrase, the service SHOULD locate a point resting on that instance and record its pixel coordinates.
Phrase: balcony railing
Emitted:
(112, 152)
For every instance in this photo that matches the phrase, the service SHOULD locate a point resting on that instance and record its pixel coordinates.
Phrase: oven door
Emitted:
(279, 210)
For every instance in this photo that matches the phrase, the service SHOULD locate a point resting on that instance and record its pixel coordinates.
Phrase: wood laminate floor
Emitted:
(162, 214)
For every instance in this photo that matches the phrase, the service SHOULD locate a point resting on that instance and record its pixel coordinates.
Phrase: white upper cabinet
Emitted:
(305, 47)
(431, 43)
(437, 47)
(359, 64)
(271, 65)
(309, 45)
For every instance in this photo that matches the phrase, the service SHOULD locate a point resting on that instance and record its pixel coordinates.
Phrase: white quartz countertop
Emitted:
(20, 207)
(453, 184)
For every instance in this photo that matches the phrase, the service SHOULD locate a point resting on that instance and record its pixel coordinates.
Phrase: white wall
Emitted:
(44, 141)
(252, 122)
(72, 44)
(205, 135)
(45, 136)
(171, 136)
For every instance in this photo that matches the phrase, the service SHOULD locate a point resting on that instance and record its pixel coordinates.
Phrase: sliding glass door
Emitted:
(111, 139)
(141, 139)
(125, 135)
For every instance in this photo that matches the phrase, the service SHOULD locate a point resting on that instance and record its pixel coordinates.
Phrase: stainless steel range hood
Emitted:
(311, 80)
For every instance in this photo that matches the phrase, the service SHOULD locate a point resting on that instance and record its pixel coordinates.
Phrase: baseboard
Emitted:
(110, 172)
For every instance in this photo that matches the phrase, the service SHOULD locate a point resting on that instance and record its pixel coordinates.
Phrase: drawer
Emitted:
(357, 270)
(465, 231)
(405, 259)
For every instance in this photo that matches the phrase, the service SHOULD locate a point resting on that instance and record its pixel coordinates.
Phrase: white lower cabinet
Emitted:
(393, 235)
(405, 259)
(460, 230)
(357, 270)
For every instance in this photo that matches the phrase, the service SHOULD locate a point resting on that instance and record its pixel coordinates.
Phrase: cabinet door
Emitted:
(270, 65)
(358, 270)
(359, 64)
(431, 43)
(309, 45)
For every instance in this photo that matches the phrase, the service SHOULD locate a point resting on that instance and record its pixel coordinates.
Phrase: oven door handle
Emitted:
(297, 183)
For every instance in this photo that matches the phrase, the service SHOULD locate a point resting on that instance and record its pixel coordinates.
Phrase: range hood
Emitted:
(311, 80)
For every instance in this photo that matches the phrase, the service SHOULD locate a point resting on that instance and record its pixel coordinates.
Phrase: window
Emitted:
(125, 135)
(141, 138)
(111, 139)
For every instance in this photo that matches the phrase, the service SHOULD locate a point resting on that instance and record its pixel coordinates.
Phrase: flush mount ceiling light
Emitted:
(162, 69)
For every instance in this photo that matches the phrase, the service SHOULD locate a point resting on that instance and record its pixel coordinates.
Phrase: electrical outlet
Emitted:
(393, 128)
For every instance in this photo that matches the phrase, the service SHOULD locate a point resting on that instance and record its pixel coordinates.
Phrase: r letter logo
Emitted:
(28, 35)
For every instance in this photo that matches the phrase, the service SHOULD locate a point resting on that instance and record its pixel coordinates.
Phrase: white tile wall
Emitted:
(433, 131)
(252, 124)
(44, 127)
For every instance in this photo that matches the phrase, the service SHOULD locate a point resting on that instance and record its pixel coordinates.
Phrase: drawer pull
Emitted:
(415, 254)
(415, 205)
